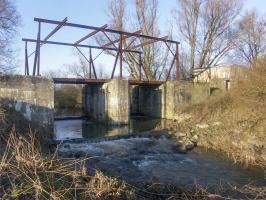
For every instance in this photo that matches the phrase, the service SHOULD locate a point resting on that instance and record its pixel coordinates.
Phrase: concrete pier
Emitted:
(107, 102)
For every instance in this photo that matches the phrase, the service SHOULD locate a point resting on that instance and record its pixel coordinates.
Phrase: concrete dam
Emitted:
(111, 102)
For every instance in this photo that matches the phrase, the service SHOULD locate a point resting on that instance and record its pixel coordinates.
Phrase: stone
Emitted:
(202, 126)
(189, 146)
(192, 131)
(181, 117)
(194, 139)
(217, 123)
(182, 149)
(180, 135)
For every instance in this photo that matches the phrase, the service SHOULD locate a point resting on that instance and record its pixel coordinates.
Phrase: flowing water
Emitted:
(146, 158)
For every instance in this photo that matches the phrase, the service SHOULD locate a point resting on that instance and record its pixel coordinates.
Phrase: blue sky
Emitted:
(90, 12)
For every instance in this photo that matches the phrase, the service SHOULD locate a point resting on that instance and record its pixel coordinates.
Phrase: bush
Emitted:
(68, 96)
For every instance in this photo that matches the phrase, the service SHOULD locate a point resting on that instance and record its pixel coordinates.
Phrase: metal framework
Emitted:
(121, 36)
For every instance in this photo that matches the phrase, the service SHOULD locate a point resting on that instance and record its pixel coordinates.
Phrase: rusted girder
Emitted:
(56, 29)
(79, 81)
(101, 81)
(91, 34)
(146, 43)
(97, 28)
(60, 25)
(78, 45)
(123, 38)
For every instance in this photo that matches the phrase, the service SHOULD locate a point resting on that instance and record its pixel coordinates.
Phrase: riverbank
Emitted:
(238, 133)
(233, 122)
(26, 172)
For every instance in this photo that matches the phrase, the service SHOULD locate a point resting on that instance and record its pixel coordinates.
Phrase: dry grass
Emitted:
(26, 172)
(242, 117)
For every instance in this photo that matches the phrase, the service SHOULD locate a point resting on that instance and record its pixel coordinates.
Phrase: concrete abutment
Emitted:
(107, 102)
(30, 101)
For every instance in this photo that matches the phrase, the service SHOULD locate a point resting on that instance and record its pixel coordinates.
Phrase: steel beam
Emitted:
(116, 58)
(109, 39)
(37, 49)
(123, 38)
(172, 64)
(120, 55)
(26, 59)
(90, 61)
(169, 49)
(90, 64)
(91, 34)
(97, 28)
(79, 81)
(140, 65)
(60, 25)
(52, 32)
(78, 45)
(146, 43)
(101, 81)
(93, 67)
(177, 63)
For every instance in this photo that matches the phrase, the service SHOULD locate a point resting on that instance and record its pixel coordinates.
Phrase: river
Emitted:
(145, 158)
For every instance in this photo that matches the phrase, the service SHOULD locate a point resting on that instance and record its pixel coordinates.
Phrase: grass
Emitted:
(236, 120)
(28, 173)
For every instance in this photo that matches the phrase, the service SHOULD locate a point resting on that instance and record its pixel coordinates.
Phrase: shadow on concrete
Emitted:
(26, 116)
(146, 100)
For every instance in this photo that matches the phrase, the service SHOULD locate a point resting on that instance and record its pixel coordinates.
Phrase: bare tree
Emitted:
(144, 18)
(9, 20)
(206, 28)
(250, 41)
(80, 69)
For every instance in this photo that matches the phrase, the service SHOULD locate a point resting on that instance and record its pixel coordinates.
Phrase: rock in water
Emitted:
(189, 146)
(194, 139)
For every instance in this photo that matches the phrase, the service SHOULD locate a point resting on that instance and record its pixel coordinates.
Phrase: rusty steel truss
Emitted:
(111, 46)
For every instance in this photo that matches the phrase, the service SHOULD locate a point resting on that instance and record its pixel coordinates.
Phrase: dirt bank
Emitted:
(233, 122)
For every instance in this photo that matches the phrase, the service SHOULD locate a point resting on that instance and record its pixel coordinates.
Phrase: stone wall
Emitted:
(179, 94)
(33, 97)
(108, 102)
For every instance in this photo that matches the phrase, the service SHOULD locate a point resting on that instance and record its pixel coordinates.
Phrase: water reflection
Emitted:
(77, 128)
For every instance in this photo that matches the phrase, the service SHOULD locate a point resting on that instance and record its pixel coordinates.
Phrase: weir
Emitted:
(113, 102)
